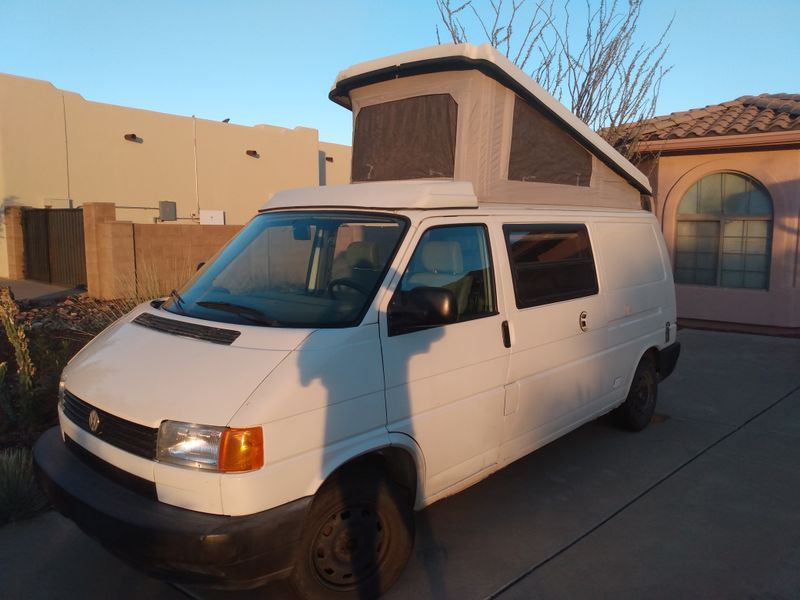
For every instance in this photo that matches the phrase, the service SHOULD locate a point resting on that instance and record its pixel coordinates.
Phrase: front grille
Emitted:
(216, 335)
(127, 480)
(125, 435)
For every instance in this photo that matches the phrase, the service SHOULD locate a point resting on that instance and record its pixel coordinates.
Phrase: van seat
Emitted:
(359, 262)
(362, 255)
(444, 268)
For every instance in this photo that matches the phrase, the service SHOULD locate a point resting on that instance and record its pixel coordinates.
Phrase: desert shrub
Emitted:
(20, 497)
(19, 341)
(28, 395)
(17, 396)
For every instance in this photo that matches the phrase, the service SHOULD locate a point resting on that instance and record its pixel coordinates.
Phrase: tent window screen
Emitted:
(543, 152)
(550, 263)
(406, 139)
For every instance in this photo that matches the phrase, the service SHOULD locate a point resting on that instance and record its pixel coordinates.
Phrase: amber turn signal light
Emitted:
(241, 450)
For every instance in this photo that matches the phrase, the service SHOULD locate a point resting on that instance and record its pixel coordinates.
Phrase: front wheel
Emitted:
(357, 538)
(637, 410)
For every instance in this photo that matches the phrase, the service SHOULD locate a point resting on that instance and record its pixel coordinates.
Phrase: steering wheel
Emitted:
(345, 282)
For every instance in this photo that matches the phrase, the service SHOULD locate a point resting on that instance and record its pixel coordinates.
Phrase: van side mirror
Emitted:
(421, 308)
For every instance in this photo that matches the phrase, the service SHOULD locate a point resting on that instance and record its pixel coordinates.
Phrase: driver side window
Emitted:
(456, 258)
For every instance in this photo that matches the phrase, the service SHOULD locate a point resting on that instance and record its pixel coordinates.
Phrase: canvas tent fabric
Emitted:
(546, 155)
(533, 158)
(427, 150)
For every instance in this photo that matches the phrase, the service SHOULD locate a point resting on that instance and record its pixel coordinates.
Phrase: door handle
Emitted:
(506, 334)
(583, 321)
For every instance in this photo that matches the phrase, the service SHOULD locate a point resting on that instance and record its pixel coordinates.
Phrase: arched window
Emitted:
(724, 233)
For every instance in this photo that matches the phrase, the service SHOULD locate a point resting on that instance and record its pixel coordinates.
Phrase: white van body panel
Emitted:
(635, 293)
(301, 475)
(323, 405)
(443, 389)
(147, 376)
(556, 372)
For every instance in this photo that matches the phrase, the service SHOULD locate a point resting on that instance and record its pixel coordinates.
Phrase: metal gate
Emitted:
(54, 245)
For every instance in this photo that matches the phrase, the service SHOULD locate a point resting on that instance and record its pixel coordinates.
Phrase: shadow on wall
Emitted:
(354, 526)
(7, 202)
(322, 160)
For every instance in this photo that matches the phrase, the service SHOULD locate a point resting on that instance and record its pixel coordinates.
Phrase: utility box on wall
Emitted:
(212, 217)
(167, 211)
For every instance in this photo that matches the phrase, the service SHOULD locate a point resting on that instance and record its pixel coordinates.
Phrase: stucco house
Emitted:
(726, 185)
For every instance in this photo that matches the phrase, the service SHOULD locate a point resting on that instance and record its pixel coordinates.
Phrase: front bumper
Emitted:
(166, 541)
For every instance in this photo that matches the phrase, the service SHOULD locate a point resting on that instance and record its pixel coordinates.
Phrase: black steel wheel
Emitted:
(640, 405)
(357, 539)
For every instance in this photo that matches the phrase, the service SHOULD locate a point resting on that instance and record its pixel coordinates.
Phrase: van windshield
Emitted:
(295, 269)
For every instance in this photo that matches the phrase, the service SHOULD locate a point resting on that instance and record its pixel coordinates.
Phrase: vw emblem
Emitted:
(94, 421)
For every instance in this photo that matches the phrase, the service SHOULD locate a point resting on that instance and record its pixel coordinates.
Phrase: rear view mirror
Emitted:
(421, 308)
(301, 230)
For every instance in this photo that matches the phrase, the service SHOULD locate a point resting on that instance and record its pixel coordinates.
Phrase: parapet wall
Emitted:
(129, 260)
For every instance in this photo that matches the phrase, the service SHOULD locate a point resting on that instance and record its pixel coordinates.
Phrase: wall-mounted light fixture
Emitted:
(329, 159)
(253, 154)
(132, 137)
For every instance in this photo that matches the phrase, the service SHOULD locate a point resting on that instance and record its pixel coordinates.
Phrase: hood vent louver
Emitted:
(215, 335)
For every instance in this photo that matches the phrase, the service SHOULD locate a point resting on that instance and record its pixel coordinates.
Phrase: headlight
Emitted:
(222, 449)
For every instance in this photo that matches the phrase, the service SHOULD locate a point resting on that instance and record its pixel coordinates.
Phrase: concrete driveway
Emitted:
(705, 503)
(27, 289)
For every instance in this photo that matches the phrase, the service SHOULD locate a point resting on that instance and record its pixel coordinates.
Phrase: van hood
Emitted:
(146, 376)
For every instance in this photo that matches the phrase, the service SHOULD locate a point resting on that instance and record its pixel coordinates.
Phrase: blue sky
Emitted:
(274, 62)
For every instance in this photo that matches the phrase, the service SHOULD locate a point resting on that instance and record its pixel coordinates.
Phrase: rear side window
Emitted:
(550, 263)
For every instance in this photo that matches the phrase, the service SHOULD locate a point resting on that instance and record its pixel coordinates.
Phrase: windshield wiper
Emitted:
(177, 300)
(251, 314)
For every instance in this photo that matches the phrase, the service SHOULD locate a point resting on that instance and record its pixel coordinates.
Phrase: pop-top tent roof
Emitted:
(393, 78)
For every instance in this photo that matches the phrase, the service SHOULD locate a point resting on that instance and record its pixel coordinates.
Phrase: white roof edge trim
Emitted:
(488, 53)
(381, 195)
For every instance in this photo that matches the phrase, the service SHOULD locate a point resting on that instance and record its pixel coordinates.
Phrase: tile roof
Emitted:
(748, 114)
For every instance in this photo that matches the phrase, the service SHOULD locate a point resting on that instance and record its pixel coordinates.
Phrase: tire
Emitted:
(350, 514)
(640, 405)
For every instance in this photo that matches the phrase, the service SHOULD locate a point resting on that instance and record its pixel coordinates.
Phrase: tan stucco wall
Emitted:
(104, 167)
(56, 146)
(779, 172)
(33, 168)
(337, 170)
(230, 180)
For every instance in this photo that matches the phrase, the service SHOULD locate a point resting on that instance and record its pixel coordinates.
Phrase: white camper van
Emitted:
(357, 353)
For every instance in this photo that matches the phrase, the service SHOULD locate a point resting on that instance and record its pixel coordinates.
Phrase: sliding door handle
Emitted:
(506, 334)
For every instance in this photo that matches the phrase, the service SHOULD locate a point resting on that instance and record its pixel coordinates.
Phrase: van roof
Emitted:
(421, 194)
(490, 62)
(418, 194)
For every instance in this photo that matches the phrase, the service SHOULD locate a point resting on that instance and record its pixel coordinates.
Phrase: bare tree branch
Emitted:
(609, 79)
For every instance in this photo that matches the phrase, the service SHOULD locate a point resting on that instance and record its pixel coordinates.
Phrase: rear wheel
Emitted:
(637, 410)
(357, 538)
